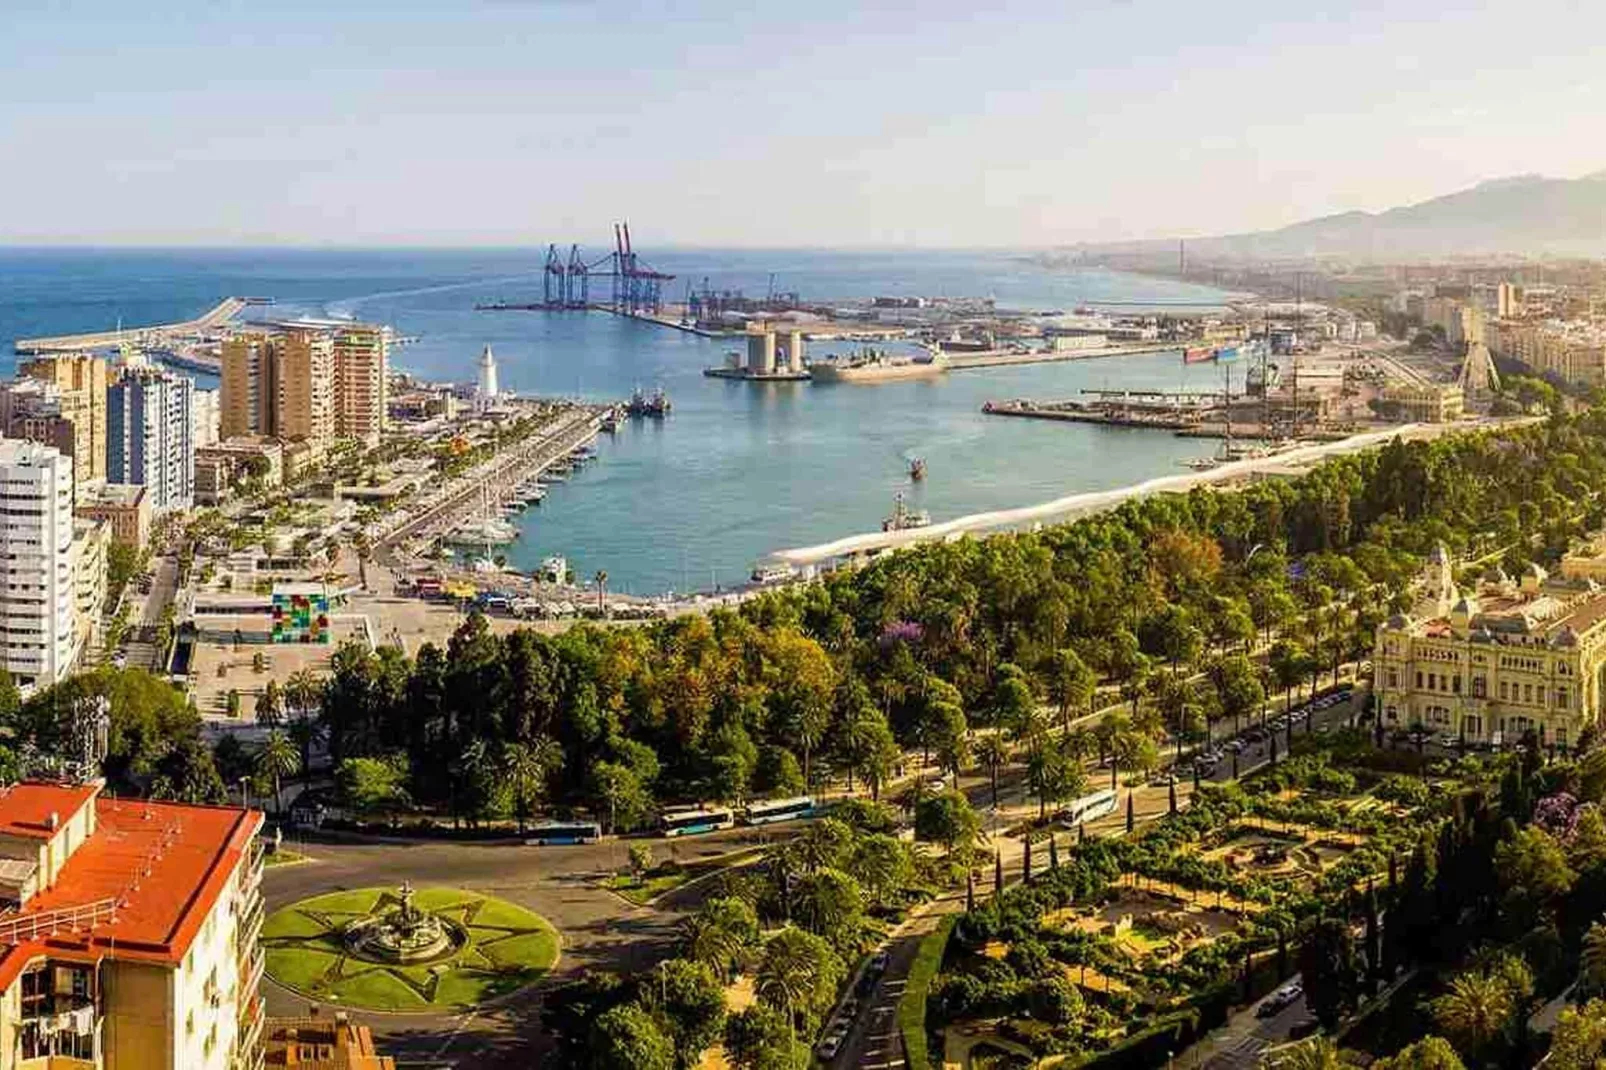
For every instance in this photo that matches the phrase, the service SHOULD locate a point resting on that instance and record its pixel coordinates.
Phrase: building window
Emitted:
(1393, 678)
(1528, 692)
(1419, 680)
(1455, 684)
(1433, 681)
(1504, 689)
(1480, 687)
(1392, 713)
(1561, 697)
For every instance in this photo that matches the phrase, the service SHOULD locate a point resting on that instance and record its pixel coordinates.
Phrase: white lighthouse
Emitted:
(487, 390)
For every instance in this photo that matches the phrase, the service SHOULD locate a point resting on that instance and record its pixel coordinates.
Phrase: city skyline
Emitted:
(504, 123)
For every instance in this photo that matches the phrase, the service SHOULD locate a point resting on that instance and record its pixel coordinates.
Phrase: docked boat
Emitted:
(490, 531)
(656, 405)
(610, 422)
(877, 365)
(773, 572)
(917, 469)
(903, 518)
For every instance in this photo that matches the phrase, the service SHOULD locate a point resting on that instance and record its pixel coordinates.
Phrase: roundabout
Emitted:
(403, 950)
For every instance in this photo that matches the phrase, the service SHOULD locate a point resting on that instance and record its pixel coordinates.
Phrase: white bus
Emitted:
(691, 821)
(770, 810)
(554, 832)
(1089, 807)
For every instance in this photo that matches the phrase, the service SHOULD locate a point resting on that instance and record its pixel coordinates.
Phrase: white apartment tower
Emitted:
(38, 591)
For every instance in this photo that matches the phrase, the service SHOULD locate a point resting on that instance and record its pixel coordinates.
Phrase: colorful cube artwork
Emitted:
(300, 618)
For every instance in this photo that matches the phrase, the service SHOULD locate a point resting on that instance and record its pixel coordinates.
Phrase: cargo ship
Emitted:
(876, 366)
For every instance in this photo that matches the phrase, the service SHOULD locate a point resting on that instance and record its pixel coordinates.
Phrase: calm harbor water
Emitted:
(738, 470)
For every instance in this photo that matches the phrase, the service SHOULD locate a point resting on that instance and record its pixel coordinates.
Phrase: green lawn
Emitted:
(508, 947)
(666, 878)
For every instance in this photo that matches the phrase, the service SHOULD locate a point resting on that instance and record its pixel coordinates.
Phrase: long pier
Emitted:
(457, 502)
(225, 311)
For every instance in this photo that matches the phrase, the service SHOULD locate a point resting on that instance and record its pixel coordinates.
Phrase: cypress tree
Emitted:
(1374, 956)
(1171, 791)
(1053, 852)
(998, 873)
(970, 890)
(1131, 814)
(1026, 861)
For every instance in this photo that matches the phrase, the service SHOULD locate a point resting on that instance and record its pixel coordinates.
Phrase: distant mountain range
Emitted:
(1522, 214)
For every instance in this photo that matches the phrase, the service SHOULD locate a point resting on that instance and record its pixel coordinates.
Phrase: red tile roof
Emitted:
(190, 853)
(25, 808)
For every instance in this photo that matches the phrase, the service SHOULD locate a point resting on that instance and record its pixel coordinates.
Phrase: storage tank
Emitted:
(794, 351)
(761, 353)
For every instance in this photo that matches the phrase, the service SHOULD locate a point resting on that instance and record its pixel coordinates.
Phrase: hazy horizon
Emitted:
(502, 123)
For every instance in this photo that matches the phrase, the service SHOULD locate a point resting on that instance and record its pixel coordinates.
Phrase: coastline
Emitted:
(1084, 503)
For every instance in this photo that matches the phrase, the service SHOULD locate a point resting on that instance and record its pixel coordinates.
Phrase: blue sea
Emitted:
(738, 470)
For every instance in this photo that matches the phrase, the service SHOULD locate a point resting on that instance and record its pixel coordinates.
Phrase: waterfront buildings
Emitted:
(39, 640)
(80, 380)
(206, 412)
(31, 409)
(1572, 351)
(1494, 662)
(150, 429)
(323, 1042)
(88, 560)
(125, 508)
(218, 468)
(247, 398)
(132, 936)
(1429, 403)
(304, 379)
(362, 368)
(305, 382)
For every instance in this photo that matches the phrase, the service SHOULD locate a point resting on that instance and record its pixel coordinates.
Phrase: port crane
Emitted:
(637, 287)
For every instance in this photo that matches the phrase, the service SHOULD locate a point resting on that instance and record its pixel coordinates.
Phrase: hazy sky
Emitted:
(814, 122)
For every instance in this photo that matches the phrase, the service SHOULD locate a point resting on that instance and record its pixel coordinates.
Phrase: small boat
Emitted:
(655, 406)
(903, 518)
(610, 422)
(917, 469)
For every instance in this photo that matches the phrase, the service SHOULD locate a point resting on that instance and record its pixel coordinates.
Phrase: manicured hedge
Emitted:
(912, 1005)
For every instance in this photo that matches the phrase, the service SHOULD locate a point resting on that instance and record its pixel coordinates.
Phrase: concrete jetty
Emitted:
(224, 311)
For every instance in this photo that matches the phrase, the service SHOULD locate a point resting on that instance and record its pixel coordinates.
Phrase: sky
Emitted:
(826, 123)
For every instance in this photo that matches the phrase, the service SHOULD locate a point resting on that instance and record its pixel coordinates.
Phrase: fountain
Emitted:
(407, 935)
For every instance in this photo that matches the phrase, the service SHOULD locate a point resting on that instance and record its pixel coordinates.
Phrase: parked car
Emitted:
(1280, 1000)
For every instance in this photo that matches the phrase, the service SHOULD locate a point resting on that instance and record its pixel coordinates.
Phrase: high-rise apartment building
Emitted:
(248, 395)
(150, 427)
(80, 380)
(361, 358)
(38, 637)
(304, 372)
(280, 385)
(132, 936)
(206, 417)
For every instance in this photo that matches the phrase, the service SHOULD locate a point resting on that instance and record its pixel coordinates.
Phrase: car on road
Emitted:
(1236, 746)
(831, 1043)
(1280, 1000)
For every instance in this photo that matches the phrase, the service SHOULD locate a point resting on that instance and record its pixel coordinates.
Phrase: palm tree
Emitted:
(601, 579)
(1592, 968)
(277, 759)
(302, 693)
(527, 766)
(365, 552)
(1475, 1012)
(1317, 1053)
(721, 935)
(794, 965)
(993, 752)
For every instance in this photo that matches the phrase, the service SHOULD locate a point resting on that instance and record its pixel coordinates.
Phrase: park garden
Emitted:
(1130, 947)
